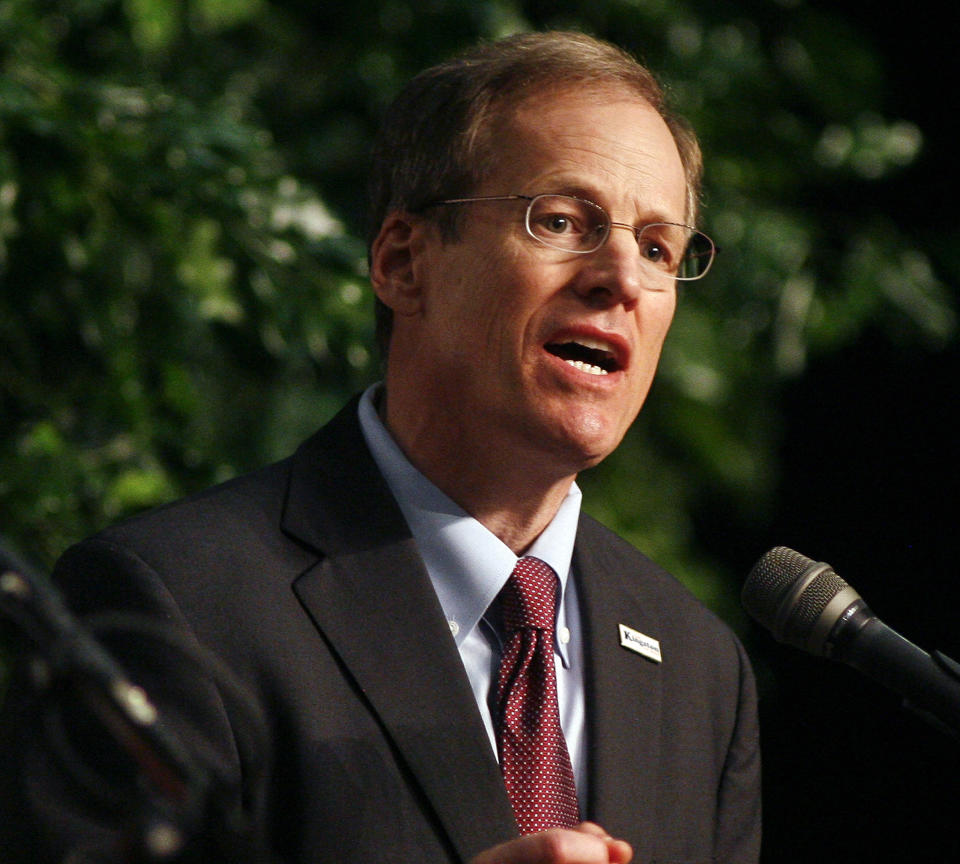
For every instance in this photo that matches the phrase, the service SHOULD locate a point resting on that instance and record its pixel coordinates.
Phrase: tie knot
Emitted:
(529, 599)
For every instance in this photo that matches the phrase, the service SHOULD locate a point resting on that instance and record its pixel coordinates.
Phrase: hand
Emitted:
(586, 844)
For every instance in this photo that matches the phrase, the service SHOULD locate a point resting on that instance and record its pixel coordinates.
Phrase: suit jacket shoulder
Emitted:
(303, 652)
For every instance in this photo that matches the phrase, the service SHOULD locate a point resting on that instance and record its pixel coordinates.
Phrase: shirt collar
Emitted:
(467, 564)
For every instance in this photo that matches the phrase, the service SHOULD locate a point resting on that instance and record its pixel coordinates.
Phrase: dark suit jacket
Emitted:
(304, 580)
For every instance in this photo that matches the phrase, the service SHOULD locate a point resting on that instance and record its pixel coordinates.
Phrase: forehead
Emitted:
(605, 143)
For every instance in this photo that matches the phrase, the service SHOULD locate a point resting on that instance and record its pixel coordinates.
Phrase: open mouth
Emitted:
(590, 357)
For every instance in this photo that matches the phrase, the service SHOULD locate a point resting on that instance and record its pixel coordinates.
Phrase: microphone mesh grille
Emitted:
(809, 606)
(787, 593)
(768, 581)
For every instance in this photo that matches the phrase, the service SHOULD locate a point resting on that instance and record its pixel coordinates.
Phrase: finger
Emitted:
(555, 846)
(591, 828)
(619, 851)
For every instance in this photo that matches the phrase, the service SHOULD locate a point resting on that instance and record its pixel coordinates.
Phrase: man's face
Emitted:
(493, 342)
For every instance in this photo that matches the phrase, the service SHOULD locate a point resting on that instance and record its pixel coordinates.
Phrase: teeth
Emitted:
(594, 344)
(589, 368)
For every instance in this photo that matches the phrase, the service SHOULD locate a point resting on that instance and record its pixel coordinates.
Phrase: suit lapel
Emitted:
(372, 599)
(623, 693)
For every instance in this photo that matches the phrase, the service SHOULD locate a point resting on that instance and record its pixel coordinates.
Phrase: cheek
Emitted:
(472, 309)
(655, 322)
(499, 305)
(653, 328)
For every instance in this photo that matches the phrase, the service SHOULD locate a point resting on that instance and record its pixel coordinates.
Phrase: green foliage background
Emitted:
(182, 283)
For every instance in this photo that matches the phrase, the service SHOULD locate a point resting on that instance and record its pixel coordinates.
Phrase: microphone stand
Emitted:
(180, 818)
(928, 683)
(951, 671)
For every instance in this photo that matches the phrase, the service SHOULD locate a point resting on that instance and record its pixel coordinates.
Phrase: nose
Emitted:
(615, 274)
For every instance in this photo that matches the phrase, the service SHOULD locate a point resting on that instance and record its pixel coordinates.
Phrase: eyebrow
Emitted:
(575, 189)
(590, 194)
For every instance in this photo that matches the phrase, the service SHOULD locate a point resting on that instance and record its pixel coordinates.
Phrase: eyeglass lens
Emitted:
(577, 225)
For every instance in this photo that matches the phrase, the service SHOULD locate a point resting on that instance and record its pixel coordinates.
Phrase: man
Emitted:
(529, 204)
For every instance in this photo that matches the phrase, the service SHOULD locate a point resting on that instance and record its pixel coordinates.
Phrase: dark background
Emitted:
(846, 769)
(870, 483)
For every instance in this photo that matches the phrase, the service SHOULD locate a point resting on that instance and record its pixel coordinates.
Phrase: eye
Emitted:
(658, 253)
(558, 223)
(567, 222)
(653, 251)
(662, 245)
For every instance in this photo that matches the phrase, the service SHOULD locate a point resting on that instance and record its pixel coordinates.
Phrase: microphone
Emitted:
(804, 603)
(185, 815)
(72, 656)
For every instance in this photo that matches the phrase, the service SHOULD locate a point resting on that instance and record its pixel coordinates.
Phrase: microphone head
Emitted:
(797, 599)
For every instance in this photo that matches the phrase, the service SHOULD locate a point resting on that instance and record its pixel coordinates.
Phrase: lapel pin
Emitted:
(634, 640)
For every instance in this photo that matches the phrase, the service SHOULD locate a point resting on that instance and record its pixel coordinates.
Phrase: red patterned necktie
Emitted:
(533, 753)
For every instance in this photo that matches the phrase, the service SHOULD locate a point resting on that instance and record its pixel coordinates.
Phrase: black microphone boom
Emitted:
(805, 604)
(186, 813)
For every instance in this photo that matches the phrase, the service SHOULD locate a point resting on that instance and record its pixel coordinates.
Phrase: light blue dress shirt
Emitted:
(468, 565)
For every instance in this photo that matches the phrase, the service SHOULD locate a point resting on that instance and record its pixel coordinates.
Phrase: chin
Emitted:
(588, 439)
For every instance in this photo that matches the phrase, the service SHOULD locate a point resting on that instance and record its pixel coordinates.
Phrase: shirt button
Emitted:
(564, 635)
(454, 627)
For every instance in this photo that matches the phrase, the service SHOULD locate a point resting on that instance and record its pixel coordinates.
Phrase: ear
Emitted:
(393, 263)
